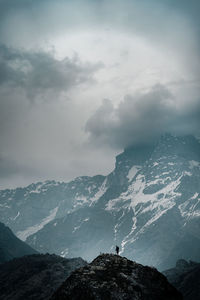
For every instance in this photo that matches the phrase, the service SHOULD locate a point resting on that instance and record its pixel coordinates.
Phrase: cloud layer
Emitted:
(40, 121)
(53, 123)
(40, 72)
(142, 118)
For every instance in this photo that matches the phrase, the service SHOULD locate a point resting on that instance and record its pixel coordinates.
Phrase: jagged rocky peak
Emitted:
(182, 264)
(129, 162)
(185, 276)
(187, 146)
(133, 155)
(167, 145)
(111, 276)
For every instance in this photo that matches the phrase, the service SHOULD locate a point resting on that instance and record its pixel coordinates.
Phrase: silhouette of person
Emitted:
(117, 250)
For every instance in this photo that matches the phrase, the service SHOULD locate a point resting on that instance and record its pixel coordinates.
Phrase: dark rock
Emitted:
(35, 276)
(182, 264)
(186, 278)
(11, 246)
(114, 277)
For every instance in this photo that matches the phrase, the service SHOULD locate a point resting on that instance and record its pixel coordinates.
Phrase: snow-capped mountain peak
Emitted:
(149, 205)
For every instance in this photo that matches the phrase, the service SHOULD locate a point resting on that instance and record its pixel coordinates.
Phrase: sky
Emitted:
(81, 80)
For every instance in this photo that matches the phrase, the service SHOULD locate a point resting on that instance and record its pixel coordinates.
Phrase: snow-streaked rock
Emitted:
(149, 205)
(33, 229)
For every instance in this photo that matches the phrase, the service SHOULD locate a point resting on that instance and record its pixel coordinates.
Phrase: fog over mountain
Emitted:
(82, 80)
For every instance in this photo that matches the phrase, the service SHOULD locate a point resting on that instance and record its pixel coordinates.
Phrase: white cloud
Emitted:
(142, 118)
(140, 44)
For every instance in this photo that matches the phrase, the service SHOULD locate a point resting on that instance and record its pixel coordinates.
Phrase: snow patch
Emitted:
(155, 164)
(37, 190)
(187, 173)
(35, 228)
(132, 172)
(64, 252)
(100, 192)
(16, 216)
(87, 219)
(126, 239)
(81, 199)
(188, 208)
(193, 164)
(153, 203)
(117, 225)
(76, 228)
(194, 196)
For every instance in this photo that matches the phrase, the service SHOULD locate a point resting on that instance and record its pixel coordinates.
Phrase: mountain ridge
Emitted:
(149, 205)
(35, 276)
(185, 276)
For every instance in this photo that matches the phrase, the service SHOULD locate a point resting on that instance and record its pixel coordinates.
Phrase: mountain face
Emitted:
(185, 276)
(27, 210)
(149, 206)
(11, 246)
(114, 277)
(35, 276)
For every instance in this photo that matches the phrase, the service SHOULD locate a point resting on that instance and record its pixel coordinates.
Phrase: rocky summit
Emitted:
(114, 277)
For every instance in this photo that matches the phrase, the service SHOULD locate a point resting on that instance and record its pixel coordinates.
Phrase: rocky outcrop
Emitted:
(35, 277)
(114, 277)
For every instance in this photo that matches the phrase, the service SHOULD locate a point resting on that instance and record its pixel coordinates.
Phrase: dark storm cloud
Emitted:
(143, 118)
(37, 72)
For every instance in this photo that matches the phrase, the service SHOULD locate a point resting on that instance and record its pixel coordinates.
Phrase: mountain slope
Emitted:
(115, 277)
(149, 205)
(186, 278)
(35, 276)
(27, 210)
(11, 246)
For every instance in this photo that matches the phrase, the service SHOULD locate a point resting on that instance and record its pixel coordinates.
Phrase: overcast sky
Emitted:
(82, 80)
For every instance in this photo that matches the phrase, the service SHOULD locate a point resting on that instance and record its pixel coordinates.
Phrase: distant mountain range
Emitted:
(149, 206)
(11, 246)
(35, 277)
(185, 276)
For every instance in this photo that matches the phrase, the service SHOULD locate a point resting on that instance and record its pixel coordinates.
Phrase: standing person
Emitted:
(117, 250)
